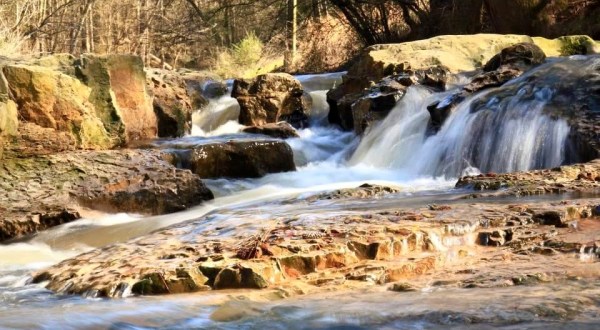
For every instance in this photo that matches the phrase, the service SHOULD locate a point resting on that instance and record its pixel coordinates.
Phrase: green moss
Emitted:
(151, 284)
(574, 45)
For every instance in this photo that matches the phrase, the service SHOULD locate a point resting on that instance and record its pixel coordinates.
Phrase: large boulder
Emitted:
(48, 190)
(456, 53)
(9, 122)
(139, 181)
(508, 64)
(521, 54)
(120, 95)
(173, 102)
(233, 159)
(67, 103)
(270, 98)
(51, 99)
(359, 110)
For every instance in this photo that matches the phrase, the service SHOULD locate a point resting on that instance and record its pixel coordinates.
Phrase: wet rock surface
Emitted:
(45, 191)
(233, 159)
(271, 98)
(281, 130)
(357, 109)
(579, 178)
(455, 53)
(363, 191)
(480, 245)
(507, 65)
(173, 102)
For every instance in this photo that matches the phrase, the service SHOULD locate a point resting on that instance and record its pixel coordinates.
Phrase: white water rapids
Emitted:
(504, 134)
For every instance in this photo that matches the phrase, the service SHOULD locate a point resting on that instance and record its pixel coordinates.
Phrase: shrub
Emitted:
(574, 46)
(248, 51)
(247, 58)
(11, 43)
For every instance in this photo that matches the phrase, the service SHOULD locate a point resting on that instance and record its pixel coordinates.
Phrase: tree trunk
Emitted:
(316, 10)
(291, 29)
(79, 26)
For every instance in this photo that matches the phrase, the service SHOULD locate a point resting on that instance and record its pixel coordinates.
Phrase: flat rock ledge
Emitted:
(40, 192)
(363, 191)
(462, 245)
(578, 178)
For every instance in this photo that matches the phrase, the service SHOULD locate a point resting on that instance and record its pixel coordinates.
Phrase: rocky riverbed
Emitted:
(475, 168)
(538, 241)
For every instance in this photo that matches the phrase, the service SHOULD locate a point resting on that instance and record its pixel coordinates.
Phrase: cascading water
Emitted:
(218, 117)
(505, 129)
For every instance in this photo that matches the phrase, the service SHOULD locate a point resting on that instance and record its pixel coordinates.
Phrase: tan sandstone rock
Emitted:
(51, 99)
(270, 98)
(120, 96)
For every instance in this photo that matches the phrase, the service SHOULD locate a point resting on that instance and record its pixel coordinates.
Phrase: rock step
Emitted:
(376, 247)
(231, 159)
(45, 191)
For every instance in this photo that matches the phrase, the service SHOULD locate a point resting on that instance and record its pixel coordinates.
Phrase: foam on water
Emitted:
(217, 118)
(506, 135)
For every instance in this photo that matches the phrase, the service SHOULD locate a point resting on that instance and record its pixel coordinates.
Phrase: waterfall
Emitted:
(504, 129)
(218, 117)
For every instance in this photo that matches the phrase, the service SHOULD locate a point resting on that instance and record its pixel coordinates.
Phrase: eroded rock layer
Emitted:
(44, 191)
(482, 244)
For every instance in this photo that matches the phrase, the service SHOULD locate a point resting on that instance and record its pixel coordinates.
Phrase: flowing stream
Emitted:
(490, 131)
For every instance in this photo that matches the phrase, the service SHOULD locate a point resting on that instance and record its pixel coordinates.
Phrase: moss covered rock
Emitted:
(51, 99)
(8, 114)
(119, 95)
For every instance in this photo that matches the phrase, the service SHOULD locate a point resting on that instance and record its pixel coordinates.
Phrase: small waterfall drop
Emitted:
(219, 117)
(504, 129)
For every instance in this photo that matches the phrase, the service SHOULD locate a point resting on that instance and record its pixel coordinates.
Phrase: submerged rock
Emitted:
(271, 98)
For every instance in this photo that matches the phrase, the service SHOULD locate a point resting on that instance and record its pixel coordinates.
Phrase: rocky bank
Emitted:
(74, 132)
(481, 244)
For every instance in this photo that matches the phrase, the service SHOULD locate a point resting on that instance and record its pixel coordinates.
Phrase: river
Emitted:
(398, 153)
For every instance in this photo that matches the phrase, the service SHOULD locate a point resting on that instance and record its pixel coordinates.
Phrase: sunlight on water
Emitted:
(505, 134)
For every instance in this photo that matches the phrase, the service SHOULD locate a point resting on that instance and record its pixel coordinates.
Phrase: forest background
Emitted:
(236, 38)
